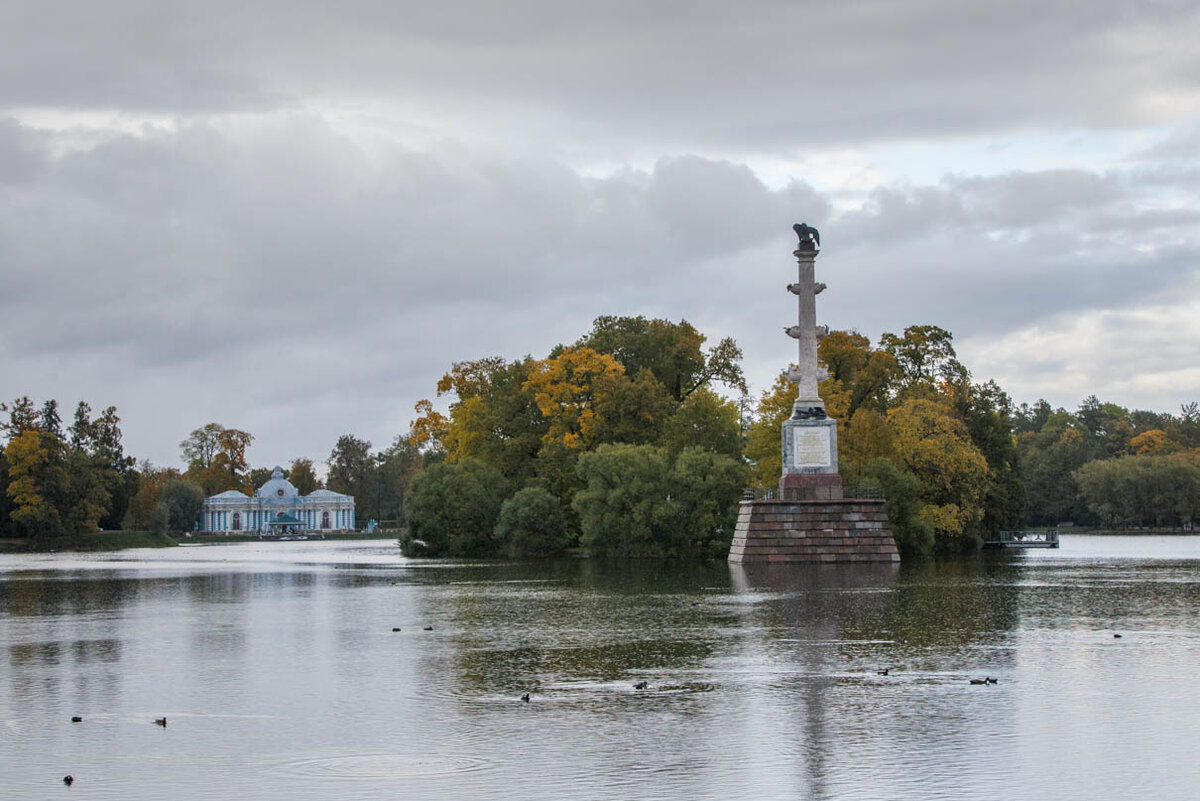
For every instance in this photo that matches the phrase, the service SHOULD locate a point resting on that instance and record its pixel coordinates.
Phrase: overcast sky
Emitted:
(292, 217)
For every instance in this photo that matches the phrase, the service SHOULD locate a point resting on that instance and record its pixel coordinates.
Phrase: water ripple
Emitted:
(381, 766)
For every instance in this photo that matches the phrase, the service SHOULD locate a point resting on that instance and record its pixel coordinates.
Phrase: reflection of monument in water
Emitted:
(812, 520)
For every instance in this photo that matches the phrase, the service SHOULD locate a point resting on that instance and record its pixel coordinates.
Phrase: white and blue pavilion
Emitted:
(277, 508)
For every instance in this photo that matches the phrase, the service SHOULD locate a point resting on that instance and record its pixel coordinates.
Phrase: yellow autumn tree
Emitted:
(430, 429)
(934, 444)
(565, 391)
(763, 439)
(867, 436)
(1153, 441)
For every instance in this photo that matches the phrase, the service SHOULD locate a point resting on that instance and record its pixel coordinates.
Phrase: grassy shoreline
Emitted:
(122, 540)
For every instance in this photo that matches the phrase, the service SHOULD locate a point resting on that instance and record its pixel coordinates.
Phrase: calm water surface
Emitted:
(280, 675)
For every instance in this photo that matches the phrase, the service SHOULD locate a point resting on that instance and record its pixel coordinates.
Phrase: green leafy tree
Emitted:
(6, 524)
(636, 502)
(708, 421)
(55, 492)
(216, 458)
(925, 356)
(141, 514)
(867, 376)
(764, 447)
(38, 484)
(1049, 460)
(259, 476)
(707, 488)
(353, 471)
(22, 416)
(625, 508)
(987, 412)
(1149, 490)
(397, 465)
(913, 531)
(100, 441)
(1107, 426)
(183, 500)
(303, 476)
(452, 509)
(672, 352)
(201, 447)
(634, 410)
(494, 417)
(51, 421)
(531, 523)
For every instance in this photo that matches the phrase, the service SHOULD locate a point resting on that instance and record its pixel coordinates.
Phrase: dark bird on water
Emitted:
(883, 672)
(641, 685)
(68, 780)
(76, 719)
(1116, 636)
(988, 680)
(395, 628)
(160, 722)
(429, 628)
(525, 698)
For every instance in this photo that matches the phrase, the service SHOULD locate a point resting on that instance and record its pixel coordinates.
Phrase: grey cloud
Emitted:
(271, 265)
(284, 266)
(685, 75)
(22, 152)
(1021, 200)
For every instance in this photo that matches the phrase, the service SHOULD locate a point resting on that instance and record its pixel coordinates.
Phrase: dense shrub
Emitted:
(912, 531)
(452, 509)
(636, 502)
(532, 524)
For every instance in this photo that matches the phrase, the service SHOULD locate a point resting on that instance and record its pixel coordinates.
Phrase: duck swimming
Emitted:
(160, 722)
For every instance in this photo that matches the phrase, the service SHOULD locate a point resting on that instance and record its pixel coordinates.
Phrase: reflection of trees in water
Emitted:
(953, 604)
(64, 594)
(922, 604)
(60, 660)
(524, 625)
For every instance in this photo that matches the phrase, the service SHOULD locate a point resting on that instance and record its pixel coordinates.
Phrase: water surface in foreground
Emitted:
(280, 675)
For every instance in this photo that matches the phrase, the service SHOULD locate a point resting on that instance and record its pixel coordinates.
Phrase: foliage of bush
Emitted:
(452, 508)
(532, 524)
(912, 531)
(637, 502)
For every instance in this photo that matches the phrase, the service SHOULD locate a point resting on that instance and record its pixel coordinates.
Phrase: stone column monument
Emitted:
(811, 520)
(810, 466)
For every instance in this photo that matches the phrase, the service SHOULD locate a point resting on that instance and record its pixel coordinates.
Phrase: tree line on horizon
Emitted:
(625, 443)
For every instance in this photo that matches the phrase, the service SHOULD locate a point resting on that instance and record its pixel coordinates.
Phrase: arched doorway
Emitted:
(237, 521)
(325, 520)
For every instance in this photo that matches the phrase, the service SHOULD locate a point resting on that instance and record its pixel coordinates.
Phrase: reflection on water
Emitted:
(281, 676)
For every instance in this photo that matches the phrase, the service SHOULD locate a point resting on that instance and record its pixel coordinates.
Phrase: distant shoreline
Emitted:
(103, 541)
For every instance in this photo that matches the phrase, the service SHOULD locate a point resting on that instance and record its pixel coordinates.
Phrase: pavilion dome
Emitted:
(278, 489)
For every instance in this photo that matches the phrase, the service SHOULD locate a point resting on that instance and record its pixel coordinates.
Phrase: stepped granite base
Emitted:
(822, 531)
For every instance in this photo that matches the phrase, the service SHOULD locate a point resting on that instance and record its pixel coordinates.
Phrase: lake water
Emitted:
(280, 675)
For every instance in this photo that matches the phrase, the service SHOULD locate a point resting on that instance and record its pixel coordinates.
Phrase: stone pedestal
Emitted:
(810, 449)
(812, 531)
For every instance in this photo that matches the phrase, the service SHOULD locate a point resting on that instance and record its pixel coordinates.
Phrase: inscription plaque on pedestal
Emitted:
(811, 447)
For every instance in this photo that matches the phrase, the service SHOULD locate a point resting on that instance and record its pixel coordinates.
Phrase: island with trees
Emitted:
(639, 440)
